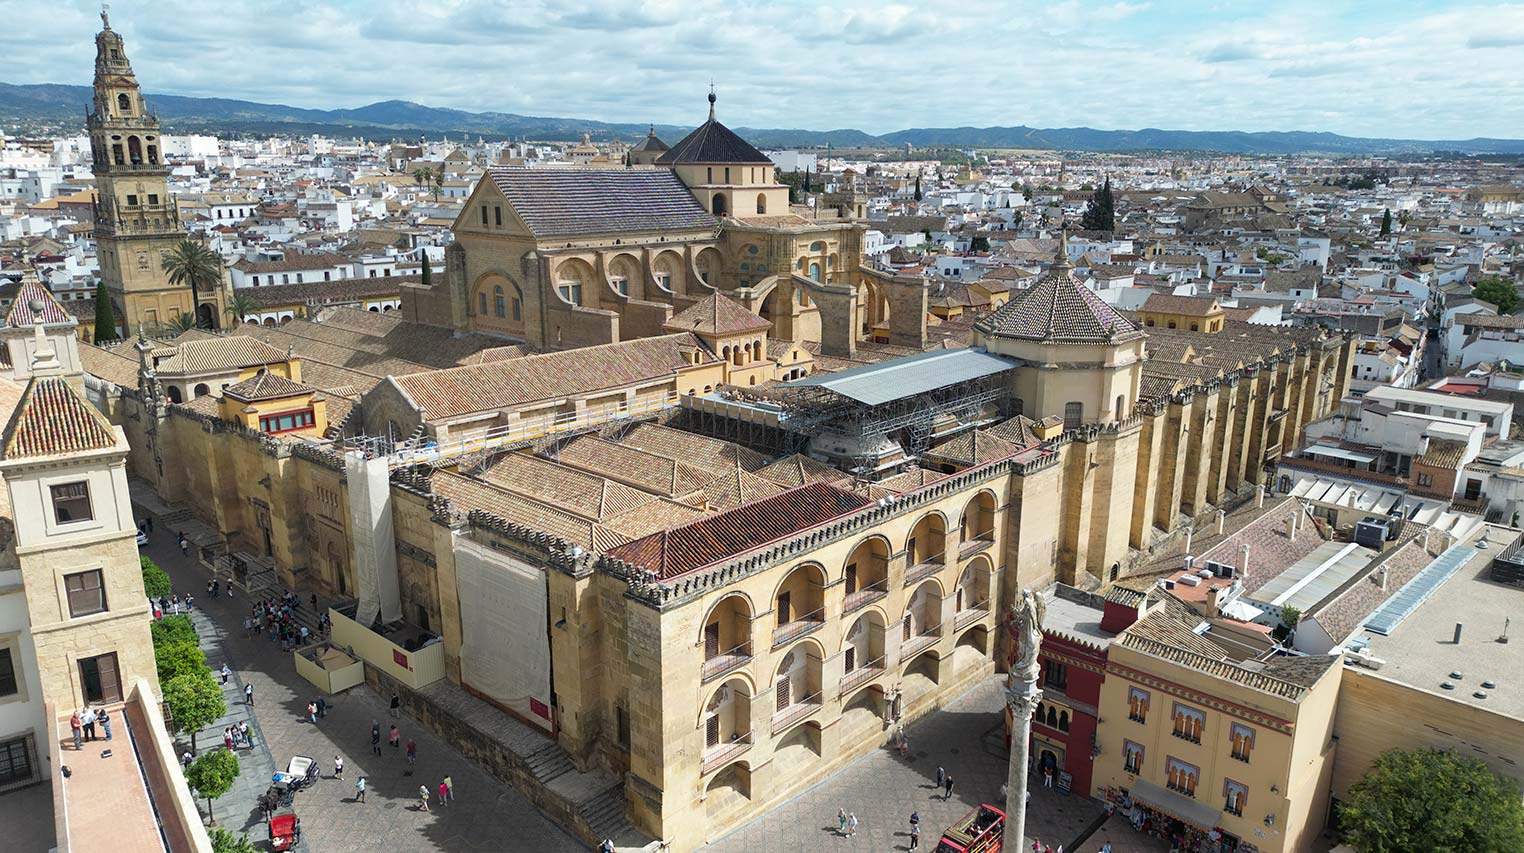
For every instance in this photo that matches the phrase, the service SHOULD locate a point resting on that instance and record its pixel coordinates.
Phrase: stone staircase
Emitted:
(550, 762)
(605, 814)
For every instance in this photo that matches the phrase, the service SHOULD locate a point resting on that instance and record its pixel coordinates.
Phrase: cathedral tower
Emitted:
(136, 219)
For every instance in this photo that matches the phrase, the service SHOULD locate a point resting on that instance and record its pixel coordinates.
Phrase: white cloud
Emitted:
(877, 66)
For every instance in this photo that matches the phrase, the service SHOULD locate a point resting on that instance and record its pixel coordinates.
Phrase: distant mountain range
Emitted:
(60, 104)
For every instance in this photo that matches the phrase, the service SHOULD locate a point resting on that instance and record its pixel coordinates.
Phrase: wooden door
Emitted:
(711, 640)
(99, 679)
(784, 610)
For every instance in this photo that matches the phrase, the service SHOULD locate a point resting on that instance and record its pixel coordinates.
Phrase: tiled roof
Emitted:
(587, 495)
(1263, 681)
(798, 469)
(1271, 551)
(972, 448)
(712, 142)
(111, 365)
(499, 384)
(1349, 608)
(649, 471)
(265, 385)
(344, 289)
(466, 493)
(717, 314)
(296, 261)
(678, 550)
(1017, 430)
(650, 143)
(21, 313)
(691, 448)
(1058, 309)
(1190, 306)
(568, 202)
(53, 419)
(216, 353)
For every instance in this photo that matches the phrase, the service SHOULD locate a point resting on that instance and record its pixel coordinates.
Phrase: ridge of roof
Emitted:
(52, 419)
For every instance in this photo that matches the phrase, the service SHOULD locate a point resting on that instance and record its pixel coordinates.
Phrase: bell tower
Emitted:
(136, 219)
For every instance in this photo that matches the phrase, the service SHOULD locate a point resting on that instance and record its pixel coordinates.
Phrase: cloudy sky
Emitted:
(1395, 68)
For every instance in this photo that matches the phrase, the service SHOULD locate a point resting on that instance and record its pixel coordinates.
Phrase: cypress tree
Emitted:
(1386, 222)
(426, 276)
(105, 315)
(1100, 213)
(917, 187)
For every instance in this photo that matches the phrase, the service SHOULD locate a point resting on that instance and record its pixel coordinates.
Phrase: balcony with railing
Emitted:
(801, 625)
(867, 573)
(924, 569)
(970, 614)
(727, 661)
(796, 710)
(865, 595)
(862, 674)
(920, 642)
(721, 754)
(977, 531)
(727, 637)
(926, 549)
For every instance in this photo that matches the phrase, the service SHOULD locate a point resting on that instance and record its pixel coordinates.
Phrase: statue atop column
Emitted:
(1021, 697)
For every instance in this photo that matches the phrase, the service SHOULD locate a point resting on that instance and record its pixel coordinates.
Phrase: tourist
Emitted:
(941, 775)
(360, 790)
(104, 718)
(915, 838)
(948, 788)
(394, 737)
(322, 708)
(184, 544)
(444, 793)
(248, 694)
(449, 786)
(226, 673)
(423, 798)
(1047, 776)
(412, 751)
(227, 737)
(243, 729)
(375, 737)
(186, 759)
(338, 767)
(841, 822)
(396, 704)
(851, 824)
(76, 726)
(607, 846)
(312, 712)
(89, 720)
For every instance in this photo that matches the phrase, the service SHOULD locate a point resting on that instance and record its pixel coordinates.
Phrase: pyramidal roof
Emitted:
(1058, 309)
(53, 419)
(717, 314)
(650, 143)
(712, 142)
(33, 302)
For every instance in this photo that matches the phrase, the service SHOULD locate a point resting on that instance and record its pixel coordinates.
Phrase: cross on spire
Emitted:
(711, 99)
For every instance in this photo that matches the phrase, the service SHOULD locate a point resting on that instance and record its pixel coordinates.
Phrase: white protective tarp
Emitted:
(375, 547)
(505, 644)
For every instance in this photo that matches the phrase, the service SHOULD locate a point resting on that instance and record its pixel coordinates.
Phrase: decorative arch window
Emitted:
(1188, 723)
(1132, 757)
(1182, 777)
(1235, 795)
(498, 303)
(1063, 721)
(1137, 705)
(761, 203)
(124, 104)
(718, 204)
(815, 271)
(1242, 738)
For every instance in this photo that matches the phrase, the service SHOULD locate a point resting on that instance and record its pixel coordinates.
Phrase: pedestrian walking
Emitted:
(1106, 848)
(338, 767)
(190, 602)
(375, 737)
(394, 737)
(423, 798)
(607, 846)
(412, 751)
(947, 787)
(1047, 777)
(915, 838)
(396, 704)
(360, 790)
(449, 786)
(226, 673)
(851, 824)
(444, 793)
(322, 708)
(186, 759)
(227, 737)
(89, 720)
(184, 545)
(248, 736)
(841, 822)
(248, 694)
(915, 820)
(941, 775)
(76, 726)
(312, 712)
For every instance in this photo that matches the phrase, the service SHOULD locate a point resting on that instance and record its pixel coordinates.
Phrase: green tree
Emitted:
(181, 323)
(426, 276)
(226, 842)
(212, 775)
(794, 181)
(240, 305)
(1432, 800)
(1499, 291)
(1386, 222)
(423, 175)
(105, 315)
(438, 182)
(980, 243)
(176, 659)
(917, 187)
(1100, 213)
(173, 629)
(155, 579)
(193, 263)
(195, 702)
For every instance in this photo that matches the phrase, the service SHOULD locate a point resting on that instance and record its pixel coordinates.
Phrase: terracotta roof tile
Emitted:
(567, 202)
(21, 313)
(717, 314)
(53, 419)
(265, 385)
(1061, 310)
(691, 546)
(210, 354)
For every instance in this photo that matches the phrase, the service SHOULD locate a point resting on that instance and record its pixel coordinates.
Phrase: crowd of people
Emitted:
(276, 618)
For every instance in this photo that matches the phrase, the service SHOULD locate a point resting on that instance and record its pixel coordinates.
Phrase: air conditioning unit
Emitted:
(1190, 580)
(1222, 570)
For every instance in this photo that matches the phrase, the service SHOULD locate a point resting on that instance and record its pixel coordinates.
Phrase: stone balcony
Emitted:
(719, 755)
(723, 663)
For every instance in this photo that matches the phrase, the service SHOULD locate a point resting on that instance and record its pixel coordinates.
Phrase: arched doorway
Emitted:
(206, 318)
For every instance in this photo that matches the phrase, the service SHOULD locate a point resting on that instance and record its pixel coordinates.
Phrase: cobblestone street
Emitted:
(486, 816)
(882, 789)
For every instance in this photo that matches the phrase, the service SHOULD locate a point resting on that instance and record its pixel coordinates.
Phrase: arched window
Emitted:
(1063, 721)
(718, 203)
(135, 150)
(174, 394)
(815, 271)
(761, 203)
(1121, 406)
(202, 390)
(1074, 415)
(499, 306)
(518, 309)
(124, 104)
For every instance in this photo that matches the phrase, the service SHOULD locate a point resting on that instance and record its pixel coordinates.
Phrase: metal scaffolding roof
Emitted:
(885, 382)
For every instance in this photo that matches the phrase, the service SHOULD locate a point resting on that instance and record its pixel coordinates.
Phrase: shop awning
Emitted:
(1197, 814)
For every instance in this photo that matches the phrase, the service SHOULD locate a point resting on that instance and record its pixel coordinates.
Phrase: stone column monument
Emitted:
(1022, 696)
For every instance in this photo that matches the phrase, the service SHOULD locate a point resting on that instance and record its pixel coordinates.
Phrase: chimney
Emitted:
(1190, 532)
(1291, 527)
(1458, 627)
(1259, 496)
(1243, 558)
(1222, 520)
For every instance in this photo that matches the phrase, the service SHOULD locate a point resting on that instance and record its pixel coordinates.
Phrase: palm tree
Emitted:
(193, 263)
(438, 182)
(423, 175)
(239, 306)
(182, 323)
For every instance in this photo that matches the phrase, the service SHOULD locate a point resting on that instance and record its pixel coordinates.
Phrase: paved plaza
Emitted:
(486, 816)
